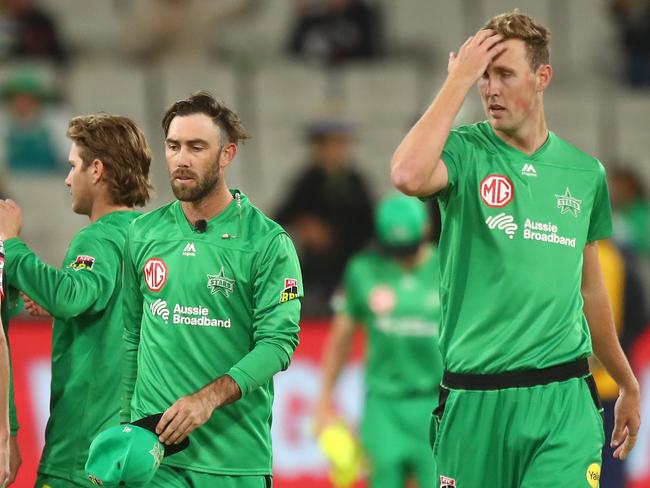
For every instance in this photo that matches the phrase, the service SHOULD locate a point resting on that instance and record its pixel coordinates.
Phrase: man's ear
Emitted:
(228, 153)
(544, 76)
(96, 170)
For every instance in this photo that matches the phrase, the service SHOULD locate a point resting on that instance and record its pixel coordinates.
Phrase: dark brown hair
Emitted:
(121, 146)
(202, 102)
(516, 25)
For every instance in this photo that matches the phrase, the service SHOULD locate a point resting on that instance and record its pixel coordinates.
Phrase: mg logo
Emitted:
(497, 191)
(155, 274)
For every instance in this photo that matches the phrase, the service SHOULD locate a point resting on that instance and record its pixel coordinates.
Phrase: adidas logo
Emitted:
(529, 170)
(189, 250)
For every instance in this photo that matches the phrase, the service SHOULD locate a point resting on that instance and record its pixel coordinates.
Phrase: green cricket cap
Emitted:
(128, 455)
(400, 221)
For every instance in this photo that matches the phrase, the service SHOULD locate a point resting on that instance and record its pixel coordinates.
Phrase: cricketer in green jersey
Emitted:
(5, 427)
(393, 294)
(10, 306)
(521, 290)
(211, 306)
(109, 160)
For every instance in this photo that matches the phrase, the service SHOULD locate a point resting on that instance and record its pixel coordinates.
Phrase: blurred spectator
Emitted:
(32, 134)
(179, 30)
(28, 32)
(628, 306)
(633, 19)
(335, 31)
(328, 210)
(631, 211)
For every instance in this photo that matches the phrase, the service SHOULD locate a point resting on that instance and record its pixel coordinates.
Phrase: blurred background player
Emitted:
(522, 294)
(327, 210)
(109, 160)
(5, 429)
(211, 309)
(393, 294)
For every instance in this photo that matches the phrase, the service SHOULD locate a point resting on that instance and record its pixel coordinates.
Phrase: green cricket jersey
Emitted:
(400, 310)
(8, 302)
(8, 308)
(514, 231)
(84, 297)
(199, 305)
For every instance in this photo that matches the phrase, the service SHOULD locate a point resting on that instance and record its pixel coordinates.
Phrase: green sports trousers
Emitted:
(172, 477)
(45, 481)
(541, 436)
(395, 438)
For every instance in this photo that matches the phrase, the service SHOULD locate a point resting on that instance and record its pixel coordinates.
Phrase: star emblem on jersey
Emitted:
(567, 204)
(221, 283)
(157, 452)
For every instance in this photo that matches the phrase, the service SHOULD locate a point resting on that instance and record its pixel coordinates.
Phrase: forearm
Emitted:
(129, 374)
(417, 157)
(606, 345)
(222, 391)
(58, 291)
(336, 353)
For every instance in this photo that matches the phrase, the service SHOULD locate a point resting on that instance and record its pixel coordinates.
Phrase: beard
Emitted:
(198, 188)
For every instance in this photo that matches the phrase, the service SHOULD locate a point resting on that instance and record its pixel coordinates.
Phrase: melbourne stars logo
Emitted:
(220, 283)
(157, 453)
(567, 204)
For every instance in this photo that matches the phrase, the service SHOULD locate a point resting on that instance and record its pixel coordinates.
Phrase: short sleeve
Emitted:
(453, 154)
(348, 300)
(600, 222)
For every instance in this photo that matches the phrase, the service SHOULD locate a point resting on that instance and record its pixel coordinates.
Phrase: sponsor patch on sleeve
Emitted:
(82, 262)
(290, 291)
(94, 480)
(446, 482)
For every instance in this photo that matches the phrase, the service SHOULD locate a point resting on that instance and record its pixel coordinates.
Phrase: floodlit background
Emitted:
(317, 83)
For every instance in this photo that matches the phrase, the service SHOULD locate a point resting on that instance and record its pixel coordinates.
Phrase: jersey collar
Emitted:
(503, 144)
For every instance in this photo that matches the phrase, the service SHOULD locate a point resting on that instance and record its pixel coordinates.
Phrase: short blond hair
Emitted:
(517, 25)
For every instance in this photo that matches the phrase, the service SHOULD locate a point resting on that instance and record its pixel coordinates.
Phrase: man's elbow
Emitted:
(404, 180)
